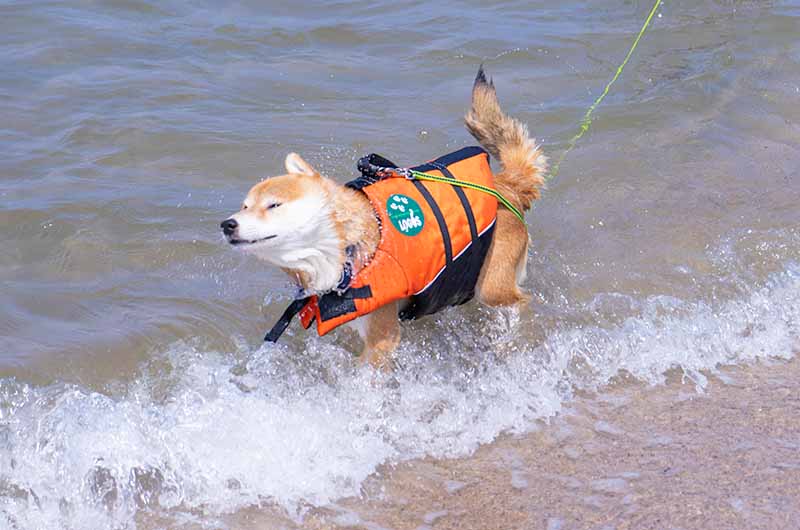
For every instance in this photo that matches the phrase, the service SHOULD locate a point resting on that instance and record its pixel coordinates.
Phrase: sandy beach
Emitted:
(632, 457)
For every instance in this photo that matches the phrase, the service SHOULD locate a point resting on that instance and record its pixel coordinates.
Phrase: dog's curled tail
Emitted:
(523, 164)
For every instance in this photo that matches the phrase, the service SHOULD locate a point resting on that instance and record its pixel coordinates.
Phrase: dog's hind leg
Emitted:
(381, 335)
(505, 265)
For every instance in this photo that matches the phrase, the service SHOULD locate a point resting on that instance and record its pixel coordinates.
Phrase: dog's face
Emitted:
(280, 214)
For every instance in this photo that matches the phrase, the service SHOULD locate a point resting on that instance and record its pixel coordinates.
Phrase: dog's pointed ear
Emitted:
(296, 164)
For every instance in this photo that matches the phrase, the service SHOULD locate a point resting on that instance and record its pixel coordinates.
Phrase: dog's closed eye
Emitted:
(272, 205)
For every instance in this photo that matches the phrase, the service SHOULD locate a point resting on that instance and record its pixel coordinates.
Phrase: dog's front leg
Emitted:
(381, 334)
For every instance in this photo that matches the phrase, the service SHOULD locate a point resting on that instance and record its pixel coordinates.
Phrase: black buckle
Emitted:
(373, 166)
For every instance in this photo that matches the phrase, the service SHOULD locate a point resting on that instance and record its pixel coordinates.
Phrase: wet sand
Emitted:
(631, 457)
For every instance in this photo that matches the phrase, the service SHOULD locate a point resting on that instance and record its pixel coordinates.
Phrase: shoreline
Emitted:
(631, 457)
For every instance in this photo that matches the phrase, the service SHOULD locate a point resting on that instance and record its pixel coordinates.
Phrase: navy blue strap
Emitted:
(347, 270)
(473, 227)
(437, 213)
(287, 316)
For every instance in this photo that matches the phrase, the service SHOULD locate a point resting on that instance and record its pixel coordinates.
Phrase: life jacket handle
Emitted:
(375, 167)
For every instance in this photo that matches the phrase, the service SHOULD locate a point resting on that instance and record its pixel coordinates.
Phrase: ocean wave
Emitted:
(202, 432)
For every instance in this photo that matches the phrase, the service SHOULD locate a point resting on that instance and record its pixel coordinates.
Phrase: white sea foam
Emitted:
(206, 433)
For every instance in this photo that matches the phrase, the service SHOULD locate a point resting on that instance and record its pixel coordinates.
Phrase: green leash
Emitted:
(419, 175)
(585, 124)
(587, 118)
(372, 169)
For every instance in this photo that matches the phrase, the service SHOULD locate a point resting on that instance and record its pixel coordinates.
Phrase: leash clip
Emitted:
(405, 173)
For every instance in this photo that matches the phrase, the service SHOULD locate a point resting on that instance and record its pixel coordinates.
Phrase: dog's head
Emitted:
(282, 216)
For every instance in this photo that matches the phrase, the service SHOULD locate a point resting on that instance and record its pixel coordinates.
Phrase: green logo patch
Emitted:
(405, 214)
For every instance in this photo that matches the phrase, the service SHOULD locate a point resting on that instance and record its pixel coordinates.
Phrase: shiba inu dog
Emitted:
(319, 231)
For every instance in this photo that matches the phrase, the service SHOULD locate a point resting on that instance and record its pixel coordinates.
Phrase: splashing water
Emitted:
(208, 433)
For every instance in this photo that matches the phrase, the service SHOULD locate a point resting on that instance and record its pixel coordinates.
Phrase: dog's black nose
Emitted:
(228, 226)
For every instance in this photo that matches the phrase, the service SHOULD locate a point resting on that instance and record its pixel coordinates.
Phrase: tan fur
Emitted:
(509, 249)
(353, 217)
(506, 139)
(355, 223)
(285, 188)
(382, 336)
(520, 181)
(352, 212)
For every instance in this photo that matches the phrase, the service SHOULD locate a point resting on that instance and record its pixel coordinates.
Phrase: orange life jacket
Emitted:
(434, 240)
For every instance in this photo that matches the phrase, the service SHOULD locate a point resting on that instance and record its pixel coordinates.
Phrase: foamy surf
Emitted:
(200, 434)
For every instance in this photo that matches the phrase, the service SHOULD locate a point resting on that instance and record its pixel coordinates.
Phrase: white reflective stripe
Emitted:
(455, 258)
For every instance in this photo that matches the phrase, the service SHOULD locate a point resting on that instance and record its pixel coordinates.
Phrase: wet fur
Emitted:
(317, 219)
